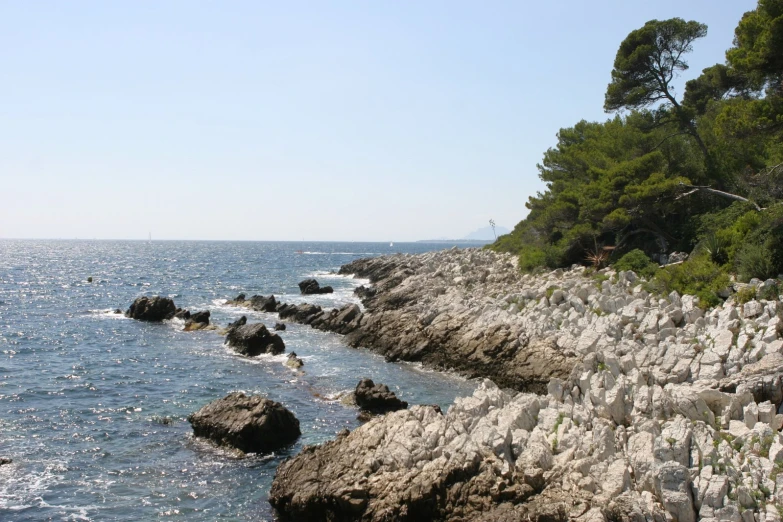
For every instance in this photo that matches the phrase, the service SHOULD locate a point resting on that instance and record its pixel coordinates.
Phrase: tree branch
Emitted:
(710, 190)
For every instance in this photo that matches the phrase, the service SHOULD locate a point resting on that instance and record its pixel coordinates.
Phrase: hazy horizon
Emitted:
(343, 121)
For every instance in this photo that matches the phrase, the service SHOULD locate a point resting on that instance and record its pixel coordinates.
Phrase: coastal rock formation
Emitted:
(153, 309)
(250, 424)
(253, 339)
(377, 398)
(5, 460)
(311, 286)
(474, 312)
(338, 320)
(279, 327)
(603, 444)
(646, 407)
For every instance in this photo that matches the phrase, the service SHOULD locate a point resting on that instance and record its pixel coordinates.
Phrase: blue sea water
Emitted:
(93, 406)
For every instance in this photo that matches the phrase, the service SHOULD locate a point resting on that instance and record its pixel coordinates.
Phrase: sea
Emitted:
(94, 406)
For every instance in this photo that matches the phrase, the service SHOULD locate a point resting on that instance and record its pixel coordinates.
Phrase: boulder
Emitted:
(153, 309)
(5, 460)
(377, 398)
(311, 286)
(293, 361)
(200, 317)
(254, 339)
(250, 424)
(262, 303)
(279, 327)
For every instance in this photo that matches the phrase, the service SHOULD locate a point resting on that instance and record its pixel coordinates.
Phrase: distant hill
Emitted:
(485, 233)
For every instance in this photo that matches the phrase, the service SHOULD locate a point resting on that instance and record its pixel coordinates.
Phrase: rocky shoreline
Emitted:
(632, 406)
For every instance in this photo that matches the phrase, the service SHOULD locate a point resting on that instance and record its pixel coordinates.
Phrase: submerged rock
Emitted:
(250, 424)
(5, 460)
(254, 339)
(311, 286)
(153, 309)
(377, 398)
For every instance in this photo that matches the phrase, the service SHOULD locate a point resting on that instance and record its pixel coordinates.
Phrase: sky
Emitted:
(323, 120)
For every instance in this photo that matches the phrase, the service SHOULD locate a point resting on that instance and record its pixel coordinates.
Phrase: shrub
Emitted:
(747, 294)
(637, 261)
(754, 260)
(697, 276)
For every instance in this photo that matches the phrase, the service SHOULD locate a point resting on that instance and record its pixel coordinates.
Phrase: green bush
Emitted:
(747, 294)
(697, 276)
(770, 293)
(637, 261)
(754, 260)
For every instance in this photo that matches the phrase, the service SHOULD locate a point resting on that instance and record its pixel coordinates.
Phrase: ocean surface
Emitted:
(93, 406)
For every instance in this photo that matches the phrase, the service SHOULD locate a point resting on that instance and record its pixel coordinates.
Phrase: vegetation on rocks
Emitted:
(700, 174)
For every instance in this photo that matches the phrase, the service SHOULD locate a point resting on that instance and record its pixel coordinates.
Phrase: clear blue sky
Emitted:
(323, 120)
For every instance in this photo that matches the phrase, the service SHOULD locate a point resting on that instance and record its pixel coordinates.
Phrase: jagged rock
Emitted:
(412, 478)
(377, 398)
(5, 460)
(182, 314)
(200, 317)
(292, 361)
(250, 424)
(153, 309)
(253, 339)
(261, 303)
(279, 327)
(311, 286)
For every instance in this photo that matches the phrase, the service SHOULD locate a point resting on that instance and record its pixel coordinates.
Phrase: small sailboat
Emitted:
(391, 244)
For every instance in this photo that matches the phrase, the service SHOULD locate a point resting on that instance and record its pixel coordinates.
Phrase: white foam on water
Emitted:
(107, 314)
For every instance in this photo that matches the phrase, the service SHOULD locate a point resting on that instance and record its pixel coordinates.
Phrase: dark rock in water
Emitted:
(197, 321)
(311, 286)
(263, 304)
(279, 326)
(302, 313)
(200, 317)
(5, 460)
(240, 298)
(117, 311)
(182, 314)
(294, 361)
(153, 309)
(342, 321)
(251, 424)
(254, 339)
(377, 398)
(239, 322)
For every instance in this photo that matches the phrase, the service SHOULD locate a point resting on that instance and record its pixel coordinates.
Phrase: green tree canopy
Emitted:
(646, 63)
(757, 55)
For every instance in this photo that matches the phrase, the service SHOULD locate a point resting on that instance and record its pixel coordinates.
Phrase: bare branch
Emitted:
(728, 195)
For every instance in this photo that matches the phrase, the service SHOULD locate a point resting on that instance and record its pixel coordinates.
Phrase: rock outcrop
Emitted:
(605, 444)
(311, 286)
(377, 398)
(250, 424)
(153, 309)
(253, 339)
